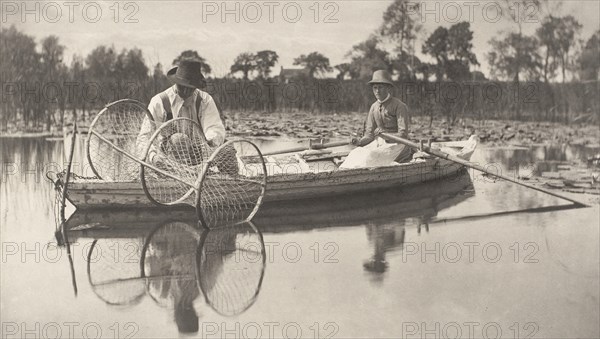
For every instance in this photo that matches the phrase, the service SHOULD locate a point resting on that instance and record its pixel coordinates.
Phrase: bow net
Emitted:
(177, 152)
(176, 164)
(123, 124)
(232, 185)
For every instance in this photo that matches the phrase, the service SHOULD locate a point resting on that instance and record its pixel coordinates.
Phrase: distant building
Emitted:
(478, 76)
(287, 74)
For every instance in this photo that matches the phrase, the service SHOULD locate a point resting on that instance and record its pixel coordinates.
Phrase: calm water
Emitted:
(398, 263)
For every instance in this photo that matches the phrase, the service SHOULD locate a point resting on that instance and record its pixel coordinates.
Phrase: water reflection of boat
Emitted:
(175, 263)
(397, 203)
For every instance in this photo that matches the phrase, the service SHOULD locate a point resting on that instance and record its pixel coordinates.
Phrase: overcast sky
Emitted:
(162, 29)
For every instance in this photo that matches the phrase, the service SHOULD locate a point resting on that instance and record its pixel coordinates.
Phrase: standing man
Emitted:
(185, 99)
(387, 114)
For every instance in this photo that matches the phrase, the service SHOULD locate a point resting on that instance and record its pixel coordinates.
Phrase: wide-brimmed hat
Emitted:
(188, 73)
(381, 77)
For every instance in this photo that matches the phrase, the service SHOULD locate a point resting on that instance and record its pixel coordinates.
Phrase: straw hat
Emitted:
(381, 77)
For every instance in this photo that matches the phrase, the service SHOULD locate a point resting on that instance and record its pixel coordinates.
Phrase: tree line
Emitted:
(39, 89)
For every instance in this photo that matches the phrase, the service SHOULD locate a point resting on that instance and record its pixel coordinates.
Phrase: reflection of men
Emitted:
(185, 99)
(384, 237)
(172, 261)
(387, 114)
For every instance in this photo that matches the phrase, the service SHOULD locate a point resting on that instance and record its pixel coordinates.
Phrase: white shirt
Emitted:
(208, 117)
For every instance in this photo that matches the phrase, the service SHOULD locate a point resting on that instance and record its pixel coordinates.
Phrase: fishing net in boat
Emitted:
(176, 164)
(121, 128)
(169, 262)
(232, 184)
(113, 268)
(231, 265)
(225, 184)
(176, 148)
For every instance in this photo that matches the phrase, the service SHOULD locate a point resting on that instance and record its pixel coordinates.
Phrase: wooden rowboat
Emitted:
(292, 177)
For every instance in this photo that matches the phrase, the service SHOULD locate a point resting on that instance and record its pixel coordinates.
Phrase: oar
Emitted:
(311, 145)
(68, 173)
(465, 163)
(503, 213)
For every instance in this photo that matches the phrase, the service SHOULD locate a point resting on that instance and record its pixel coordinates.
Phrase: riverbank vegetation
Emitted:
(551, 75)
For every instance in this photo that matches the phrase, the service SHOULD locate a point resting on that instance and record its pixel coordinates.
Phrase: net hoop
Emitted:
(131, 301)
(202, 214)
(146, 153)
(91, 130)
(203, 251)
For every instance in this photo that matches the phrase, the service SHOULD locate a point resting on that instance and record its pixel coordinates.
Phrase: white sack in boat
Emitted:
(377, 153)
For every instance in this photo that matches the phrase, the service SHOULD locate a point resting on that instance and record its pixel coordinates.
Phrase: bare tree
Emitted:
(566, 32)
(315, 62)
(401, 26)
(590, 58)
(245, 63)
(53, 71)
(513, 55)
(546, 35)
(367, 57)
(343, 69)
(437, 46)
(265, 60)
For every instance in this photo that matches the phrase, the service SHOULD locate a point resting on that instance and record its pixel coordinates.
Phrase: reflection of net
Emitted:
(231, 264)
(119, 122)
(178, 147)
(114, 271)
(233, 184)
(169, 261)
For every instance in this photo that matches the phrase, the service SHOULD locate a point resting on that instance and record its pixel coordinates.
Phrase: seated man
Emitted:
(387, 114)
(185, 99)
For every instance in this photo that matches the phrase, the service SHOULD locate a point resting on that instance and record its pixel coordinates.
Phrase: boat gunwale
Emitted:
(313, 176)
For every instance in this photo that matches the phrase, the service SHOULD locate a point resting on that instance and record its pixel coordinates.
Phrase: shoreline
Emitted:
(31, 135)
(292, 126)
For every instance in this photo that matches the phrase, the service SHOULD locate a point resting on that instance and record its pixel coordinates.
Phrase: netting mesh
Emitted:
(231, 265)
(232, 185)
(169, 262)
(113, 267)
(176, 163)
(179, 148)
(126, 124)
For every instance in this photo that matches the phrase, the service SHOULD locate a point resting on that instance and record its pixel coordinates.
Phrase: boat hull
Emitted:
(390, 205)
(292, 185)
